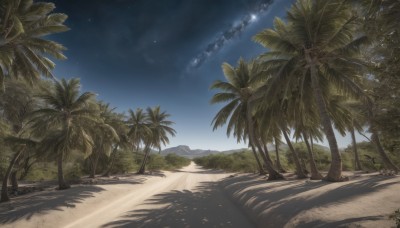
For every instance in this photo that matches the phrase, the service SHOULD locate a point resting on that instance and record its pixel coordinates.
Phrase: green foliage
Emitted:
(124, 162)
(237, 162)
(168, 162)
(369, 158)
(42, 171)
(321, 155)
(73, 170)
(156, 162)
(175, 161)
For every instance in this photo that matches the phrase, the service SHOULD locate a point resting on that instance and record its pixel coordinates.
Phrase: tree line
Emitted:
(328, 65)
(49, 119)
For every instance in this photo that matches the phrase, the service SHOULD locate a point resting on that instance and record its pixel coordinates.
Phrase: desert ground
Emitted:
(196, 197)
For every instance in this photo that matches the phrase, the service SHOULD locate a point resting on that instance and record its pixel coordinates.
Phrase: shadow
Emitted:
(341, 223)
(206, 206)
(27, 206)
(112, 180)
(203, 171)
(153, 174)
(280, 202)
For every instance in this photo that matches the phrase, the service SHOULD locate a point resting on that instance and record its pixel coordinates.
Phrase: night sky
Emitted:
(140, 53)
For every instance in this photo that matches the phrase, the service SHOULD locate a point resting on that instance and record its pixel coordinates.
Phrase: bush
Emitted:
(321, 156)
(156, 162)
(168, 162)
(125, 162)
(175, 162)
(42, 171)
(236, 162)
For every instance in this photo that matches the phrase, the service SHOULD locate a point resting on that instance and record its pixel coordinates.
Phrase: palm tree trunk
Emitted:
(356, 157)
(375, 139)
(299, 170)
(27, 168)
(272, 173)
(385, 158)
(143, 165)
(260, 168)
(61, 182)
(94, 162)
(335, 170)
(315, 174)
(278, 160)
(14, 181)
(4, 188)
(262, 147)
(111, 165)
(266, 152)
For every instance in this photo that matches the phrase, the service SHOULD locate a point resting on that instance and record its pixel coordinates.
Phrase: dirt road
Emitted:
(190, 197)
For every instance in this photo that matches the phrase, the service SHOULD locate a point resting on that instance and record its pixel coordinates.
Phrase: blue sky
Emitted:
(140, 53)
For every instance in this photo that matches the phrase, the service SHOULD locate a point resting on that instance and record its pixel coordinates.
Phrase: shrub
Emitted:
(175, 162)
(237, 162)
(125, 162)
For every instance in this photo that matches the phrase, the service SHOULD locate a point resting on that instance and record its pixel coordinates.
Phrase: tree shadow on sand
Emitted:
(207, 206)
(280, 205)
(42, 202)
(113, 180)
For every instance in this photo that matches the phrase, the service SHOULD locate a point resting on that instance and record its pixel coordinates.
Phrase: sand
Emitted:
(196, 197)
(190, 197)
(366, 200)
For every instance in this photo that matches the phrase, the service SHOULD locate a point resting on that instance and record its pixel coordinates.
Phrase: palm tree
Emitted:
(238, 91)
(138, 128)
(23, 47)
(160, 130)
(15, 106)
(65, 120)
(117, 122)
(104, 136)
(318, 46)
(277, 142)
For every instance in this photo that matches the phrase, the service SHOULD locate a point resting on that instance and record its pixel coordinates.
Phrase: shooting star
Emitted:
(230, 33)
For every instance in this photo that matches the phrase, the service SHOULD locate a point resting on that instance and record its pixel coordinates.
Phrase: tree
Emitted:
(238, 91)
(138, 128)
(380, 24)
(121, 129)
(159, 125)
(15, 106)
(317, 45)
(104, 136)
(24, 50)
(64, 122)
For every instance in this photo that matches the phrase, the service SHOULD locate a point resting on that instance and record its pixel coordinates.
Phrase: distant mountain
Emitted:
(185, 151)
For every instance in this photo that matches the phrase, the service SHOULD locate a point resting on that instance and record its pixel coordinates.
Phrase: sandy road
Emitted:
(190, 197)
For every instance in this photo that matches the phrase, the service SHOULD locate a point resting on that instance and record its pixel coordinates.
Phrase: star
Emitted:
(253, 17)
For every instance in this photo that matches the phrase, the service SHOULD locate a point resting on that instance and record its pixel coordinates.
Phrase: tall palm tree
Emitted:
(118, 123)
(24, 50)
(317, 45)
(104, 136)
(15, 107)
(139, 129)
(159, 125)
(238, 91)
(65, 120)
